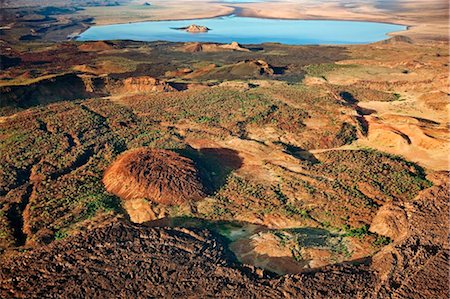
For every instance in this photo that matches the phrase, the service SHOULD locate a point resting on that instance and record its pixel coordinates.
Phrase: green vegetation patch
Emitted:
(61, 151)
(369, 173)
(218, 107)
(322, 69)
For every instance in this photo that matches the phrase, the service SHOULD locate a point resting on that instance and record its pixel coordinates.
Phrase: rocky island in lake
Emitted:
(194, 28)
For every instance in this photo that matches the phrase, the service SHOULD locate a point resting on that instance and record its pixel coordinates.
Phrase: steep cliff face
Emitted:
(112, 86)
(73, 86)
(65, 87)
(142, 85)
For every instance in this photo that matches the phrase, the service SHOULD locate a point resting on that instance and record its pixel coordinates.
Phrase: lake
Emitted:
(247, 31)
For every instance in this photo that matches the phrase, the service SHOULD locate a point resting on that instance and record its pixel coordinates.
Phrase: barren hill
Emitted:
(158, 175)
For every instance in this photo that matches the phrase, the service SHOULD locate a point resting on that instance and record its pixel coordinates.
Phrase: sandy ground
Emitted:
(136, 11)
(416, 125)
(428, 19)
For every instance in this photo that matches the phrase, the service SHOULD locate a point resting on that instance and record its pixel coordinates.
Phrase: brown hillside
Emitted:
(193, 47)
(161, 176)
(96, 46)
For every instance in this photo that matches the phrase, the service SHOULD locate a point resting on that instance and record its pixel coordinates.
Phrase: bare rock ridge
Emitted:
(126, 260)
(160, 176)
(234, 46)
(260, 65)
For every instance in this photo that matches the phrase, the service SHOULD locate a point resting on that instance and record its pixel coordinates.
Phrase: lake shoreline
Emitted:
(256, 16)
(296, 31)
(245, 13)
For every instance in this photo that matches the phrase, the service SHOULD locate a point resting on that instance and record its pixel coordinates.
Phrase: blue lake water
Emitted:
(247, 31)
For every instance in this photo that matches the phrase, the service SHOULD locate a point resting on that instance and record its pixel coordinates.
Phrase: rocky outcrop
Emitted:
(109, 85)
(124, 261)
(194, 28)
(96, 46)
(262, 66)
(73, 86)
(419, 140)
(48, 90)
(207, 47)
(417, 265)
(390, 221)
(397, 39)
(193, 47)
(235, 47)
(144, 84)
(141, 210)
